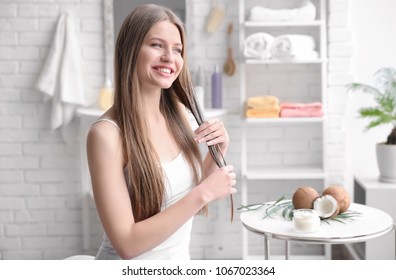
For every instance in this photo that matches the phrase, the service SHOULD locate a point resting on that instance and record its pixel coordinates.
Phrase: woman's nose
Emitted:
(167, 56)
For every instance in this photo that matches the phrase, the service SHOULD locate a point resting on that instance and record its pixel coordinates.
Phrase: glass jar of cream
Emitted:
(306, 220)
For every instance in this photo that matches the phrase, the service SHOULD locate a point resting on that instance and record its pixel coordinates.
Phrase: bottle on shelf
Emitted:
(106, 96)
(216, 88)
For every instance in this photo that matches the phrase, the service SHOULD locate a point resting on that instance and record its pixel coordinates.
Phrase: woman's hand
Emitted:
(218, 184)
(213, 132)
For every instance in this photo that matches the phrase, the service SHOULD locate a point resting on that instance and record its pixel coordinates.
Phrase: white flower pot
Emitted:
(386, 159)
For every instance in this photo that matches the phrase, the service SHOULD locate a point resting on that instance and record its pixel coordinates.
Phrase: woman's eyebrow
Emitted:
(162, 40)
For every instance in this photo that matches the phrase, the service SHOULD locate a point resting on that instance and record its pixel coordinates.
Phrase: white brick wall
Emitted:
(40, 210)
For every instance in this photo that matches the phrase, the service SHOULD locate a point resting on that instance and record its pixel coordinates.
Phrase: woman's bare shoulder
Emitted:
(104, 138)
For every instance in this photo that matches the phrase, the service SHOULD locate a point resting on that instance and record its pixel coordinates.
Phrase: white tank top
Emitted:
(178, 182)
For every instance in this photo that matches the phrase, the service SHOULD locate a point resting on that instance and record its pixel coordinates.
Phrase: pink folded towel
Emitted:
(301, 110)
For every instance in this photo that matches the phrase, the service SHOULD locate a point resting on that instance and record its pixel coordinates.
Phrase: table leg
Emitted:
(328, 251)
(394, 229)
(267, 246)
(287, 250)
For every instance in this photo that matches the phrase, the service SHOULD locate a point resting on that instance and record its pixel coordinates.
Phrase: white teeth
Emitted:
(165, 70)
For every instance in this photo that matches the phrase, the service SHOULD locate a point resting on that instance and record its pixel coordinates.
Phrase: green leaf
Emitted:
(363, 88)
(279, 199)
(384, 93)
(291, 215)
(338, 220)
(286, 213)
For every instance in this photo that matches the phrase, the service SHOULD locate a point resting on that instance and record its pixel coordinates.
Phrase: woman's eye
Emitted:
(177, 50)
(156, 45)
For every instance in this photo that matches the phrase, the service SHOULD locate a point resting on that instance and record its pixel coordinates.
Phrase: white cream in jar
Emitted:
(306, 220)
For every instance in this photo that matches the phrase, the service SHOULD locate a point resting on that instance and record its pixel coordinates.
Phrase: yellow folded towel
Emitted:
(262, 102)
(262, 113)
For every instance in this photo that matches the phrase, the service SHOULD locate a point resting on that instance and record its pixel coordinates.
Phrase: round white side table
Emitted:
(372, 223)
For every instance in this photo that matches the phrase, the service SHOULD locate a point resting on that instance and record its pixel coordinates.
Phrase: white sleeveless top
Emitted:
(178, 182)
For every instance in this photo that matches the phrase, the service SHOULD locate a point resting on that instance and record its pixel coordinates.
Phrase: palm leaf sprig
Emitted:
(348, 215)
(271, 208)
(285, 207)
(257, 206)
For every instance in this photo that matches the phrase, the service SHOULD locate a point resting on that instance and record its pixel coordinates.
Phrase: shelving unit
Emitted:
(282, 174)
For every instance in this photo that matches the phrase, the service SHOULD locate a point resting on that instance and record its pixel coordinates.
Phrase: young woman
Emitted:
(148, 177)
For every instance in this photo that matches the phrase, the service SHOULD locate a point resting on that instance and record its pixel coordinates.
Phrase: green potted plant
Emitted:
(384, 113)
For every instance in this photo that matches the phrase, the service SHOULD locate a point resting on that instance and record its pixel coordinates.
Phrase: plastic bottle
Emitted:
(216, 88)
(106, 96)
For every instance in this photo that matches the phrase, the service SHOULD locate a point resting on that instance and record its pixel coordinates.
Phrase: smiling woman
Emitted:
(148, 176)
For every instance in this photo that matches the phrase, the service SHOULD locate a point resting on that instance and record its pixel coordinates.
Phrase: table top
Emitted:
(371, 223)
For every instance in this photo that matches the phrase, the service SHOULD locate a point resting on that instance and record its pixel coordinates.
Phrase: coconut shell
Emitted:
(341, 195)
(325, 212)
(304, 197)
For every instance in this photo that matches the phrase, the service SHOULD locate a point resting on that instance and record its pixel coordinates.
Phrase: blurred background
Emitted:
(46, 209)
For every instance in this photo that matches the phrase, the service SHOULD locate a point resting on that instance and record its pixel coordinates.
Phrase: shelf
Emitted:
(283, 23)
(90, 111)
(285, 173)
(271, 175)
(254, 121)
(285, 61)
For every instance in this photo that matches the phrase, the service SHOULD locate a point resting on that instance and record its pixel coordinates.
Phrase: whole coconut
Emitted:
(304, 197)
(341, 195)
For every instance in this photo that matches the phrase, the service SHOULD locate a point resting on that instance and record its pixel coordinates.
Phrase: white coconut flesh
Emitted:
(326, 206)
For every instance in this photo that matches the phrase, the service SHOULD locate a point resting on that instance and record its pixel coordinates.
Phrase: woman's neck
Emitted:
(151, 105)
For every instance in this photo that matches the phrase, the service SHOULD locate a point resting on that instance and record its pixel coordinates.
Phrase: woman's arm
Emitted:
(130, 239)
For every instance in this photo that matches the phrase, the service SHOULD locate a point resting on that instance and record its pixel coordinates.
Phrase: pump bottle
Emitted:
(216, 88)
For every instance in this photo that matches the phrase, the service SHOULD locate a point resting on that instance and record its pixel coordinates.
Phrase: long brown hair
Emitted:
(143, 171)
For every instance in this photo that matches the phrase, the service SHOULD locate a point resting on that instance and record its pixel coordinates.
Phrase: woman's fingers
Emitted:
(205, 125)
(212, 132)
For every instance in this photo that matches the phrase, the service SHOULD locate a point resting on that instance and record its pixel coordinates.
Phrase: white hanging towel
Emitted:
(62, 78)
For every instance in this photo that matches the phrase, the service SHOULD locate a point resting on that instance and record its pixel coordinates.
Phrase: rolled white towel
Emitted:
(306, 11)
(257, 45)
(293, 46)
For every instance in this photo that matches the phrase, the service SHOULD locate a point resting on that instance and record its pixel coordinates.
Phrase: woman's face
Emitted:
(160, 59)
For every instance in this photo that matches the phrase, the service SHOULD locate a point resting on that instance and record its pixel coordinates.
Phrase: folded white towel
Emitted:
(306, 11)
(293, 46)
(62, 78)
(257, 45)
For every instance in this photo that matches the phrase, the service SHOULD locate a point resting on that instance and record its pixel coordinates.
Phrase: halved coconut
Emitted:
(327, 206)
(340, 194)
(304, 197)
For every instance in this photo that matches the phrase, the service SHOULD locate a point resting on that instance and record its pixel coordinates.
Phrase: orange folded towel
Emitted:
(262, 113)
(301, 110)
(265, 106)
(262, 102)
